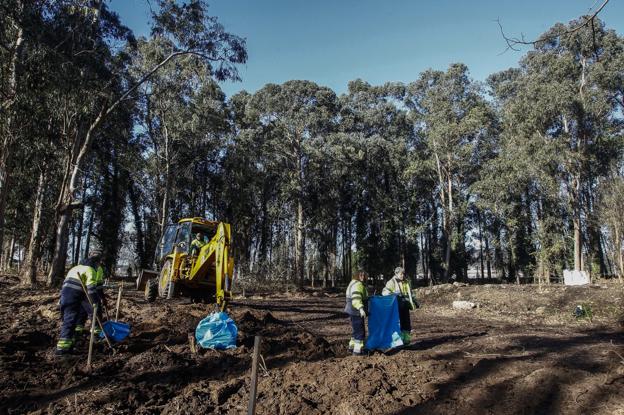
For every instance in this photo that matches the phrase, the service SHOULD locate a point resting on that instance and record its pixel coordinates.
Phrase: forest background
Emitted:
(107, 137)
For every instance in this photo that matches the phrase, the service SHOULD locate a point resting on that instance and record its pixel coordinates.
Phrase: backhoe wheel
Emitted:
(164, 279)
(151, 290)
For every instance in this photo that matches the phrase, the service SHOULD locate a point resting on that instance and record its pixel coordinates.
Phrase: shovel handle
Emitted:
(95, 316)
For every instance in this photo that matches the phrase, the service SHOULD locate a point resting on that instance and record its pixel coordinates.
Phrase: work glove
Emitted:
(362, 312)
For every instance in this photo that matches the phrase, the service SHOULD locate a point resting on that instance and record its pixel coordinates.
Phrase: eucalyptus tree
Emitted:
(31, 118)
(296, 112)
(610, 204)
(560, 112)
(92, 73)
(379, 135)
(17, 20)
(184, 28)
(249, 195)
(335, 164)
(451, 117)
(183, 118)
(112, 155)
(516, 191)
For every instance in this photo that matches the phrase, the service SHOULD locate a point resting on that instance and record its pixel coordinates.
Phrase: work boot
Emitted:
(64, 347)
(358, 347)
(63, 352)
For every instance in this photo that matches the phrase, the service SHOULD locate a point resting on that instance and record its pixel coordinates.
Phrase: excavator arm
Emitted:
(216, 252)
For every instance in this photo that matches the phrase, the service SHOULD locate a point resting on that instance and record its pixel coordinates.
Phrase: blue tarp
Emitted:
(115, 330)
(217, 331)
(383, 323)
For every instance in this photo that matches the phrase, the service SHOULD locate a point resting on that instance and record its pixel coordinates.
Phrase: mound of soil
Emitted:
(280, 339)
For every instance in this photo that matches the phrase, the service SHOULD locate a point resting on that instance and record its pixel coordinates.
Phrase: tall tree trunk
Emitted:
(431, 267)
(29, 273)
(60, 250)
(73, 238)
(8, 140)
(80, 224)
(576, 220)
(333, 254)
(488, 260)
(11, 252)
(448, 224)
(480, 243)
(423, 254)
(299, 244)
(264, 224)
(343, 253)
(5, 177)
(138, 226)
(67, 200)
(444, 181)
(618, 252)
(89, 230)
(300, 220)
(167, 190)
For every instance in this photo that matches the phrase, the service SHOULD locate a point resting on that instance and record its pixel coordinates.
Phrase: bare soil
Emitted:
(520, 352)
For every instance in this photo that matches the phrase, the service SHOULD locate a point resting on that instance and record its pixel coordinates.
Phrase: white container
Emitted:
(575, 277)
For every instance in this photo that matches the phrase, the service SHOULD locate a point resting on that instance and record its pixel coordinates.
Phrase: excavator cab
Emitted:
(205, 275)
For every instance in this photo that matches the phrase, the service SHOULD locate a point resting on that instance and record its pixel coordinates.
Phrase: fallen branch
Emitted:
(485, 355)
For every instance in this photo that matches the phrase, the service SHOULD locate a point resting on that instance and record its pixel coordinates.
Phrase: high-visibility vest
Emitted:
(81, 272)
(401, 288)
(356, 297)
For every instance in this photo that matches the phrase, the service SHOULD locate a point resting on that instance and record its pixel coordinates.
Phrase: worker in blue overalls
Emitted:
(356, 307)
(74, 301)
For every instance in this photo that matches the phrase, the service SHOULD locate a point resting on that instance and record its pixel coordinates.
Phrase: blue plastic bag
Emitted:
(383, 323)
(115, 330)
(217, 331)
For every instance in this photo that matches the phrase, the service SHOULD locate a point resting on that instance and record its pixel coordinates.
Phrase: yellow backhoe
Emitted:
(204, 274)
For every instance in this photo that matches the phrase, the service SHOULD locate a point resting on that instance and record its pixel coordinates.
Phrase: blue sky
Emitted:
(333, 42)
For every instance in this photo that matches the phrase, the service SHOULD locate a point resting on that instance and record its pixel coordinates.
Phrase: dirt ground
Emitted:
(520, 352)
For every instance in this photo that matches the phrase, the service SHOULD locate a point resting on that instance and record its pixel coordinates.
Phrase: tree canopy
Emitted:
(107, 138)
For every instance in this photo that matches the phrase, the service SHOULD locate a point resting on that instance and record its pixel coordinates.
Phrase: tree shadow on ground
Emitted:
(515, 392)
(431, 343)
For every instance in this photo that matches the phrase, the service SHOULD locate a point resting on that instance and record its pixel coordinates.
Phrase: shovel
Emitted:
(95, 316)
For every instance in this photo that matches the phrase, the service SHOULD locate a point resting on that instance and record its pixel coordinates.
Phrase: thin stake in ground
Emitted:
(91, 338)
(251, 410)
(118, 301)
